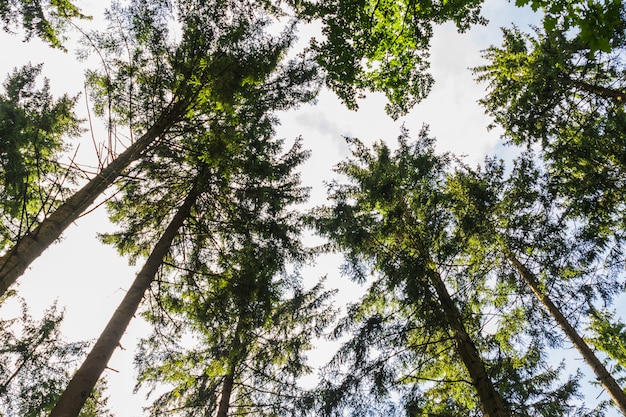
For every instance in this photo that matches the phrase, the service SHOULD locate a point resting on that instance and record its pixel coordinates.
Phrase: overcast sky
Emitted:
(89, 278)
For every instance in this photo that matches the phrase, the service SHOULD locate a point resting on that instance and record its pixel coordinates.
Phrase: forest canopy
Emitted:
(198, 148)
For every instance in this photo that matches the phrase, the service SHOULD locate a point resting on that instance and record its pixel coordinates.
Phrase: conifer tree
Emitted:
(379, 222)
(553, 89)
(36, 363)
(246, 338)
(33, 130)
(166, 90)
(523, 228)
(233, 185)
(421, 329)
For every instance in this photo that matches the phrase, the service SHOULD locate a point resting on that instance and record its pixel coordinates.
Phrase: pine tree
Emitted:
(425, 329)
(523, 227)
(36, 363)
(178, 86)
(233, 186)
(392, 219)
(553, 89)
(33, 128)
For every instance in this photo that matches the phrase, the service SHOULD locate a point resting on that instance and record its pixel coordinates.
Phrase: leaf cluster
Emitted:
(45, 19)
(33, 129)
(36, 363)
(382, 45)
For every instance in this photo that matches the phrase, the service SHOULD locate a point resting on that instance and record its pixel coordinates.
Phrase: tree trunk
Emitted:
(227, 390)
(603, 376)
(490, 400)
(83, 382)
(238, 352)
(29, 247)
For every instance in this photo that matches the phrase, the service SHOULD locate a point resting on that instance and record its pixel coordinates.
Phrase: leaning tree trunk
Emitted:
(604, 377)
(83, 382)
(30, 246)
(490, 400)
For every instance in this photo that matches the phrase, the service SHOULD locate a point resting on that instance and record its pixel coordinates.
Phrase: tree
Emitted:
(35, 364)
(180, 85)
(84, 380)
(44, 19)
(233, 184)
(523, 225)
(384, 45)
(34, 125)
(247, 336)
(228, 293)
(425, 327)
(379, 221)
(556, 90)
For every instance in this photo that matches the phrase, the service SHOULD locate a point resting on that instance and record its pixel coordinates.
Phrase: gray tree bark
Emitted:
(33, 244)
(490, 400)
(602, 375)
(82, 383)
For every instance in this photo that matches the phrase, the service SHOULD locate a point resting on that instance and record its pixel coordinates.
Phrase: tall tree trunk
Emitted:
(227, 390)
(238, 352)
(83, 382)
(490, 400)
(602, 375)
(30, 246)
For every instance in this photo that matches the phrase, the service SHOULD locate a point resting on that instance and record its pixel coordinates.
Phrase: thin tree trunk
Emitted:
(32, 245)
(602, 375)
(229, 380)
(490, 400)
(83, 382)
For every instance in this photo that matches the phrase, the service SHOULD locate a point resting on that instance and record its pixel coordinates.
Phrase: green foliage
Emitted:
(241, 324)
(609, 337)
(44, 19)
(36, 364)
(598, 22)
(223, 283)
(556, 90)
(33, 126)
(401, 220)
(222, 56)
(520, 214)
(382, 45)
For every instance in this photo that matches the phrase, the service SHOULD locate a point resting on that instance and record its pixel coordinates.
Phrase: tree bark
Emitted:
(33, 244)
(83, 382)
(227, 390)
(490, 400)
(238, 352)
(603, 376)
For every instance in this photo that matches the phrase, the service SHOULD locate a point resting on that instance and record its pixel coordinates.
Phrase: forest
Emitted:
(490, 285)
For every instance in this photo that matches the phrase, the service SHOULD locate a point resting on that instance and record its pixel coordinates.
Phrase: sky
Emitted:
(89, 278)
